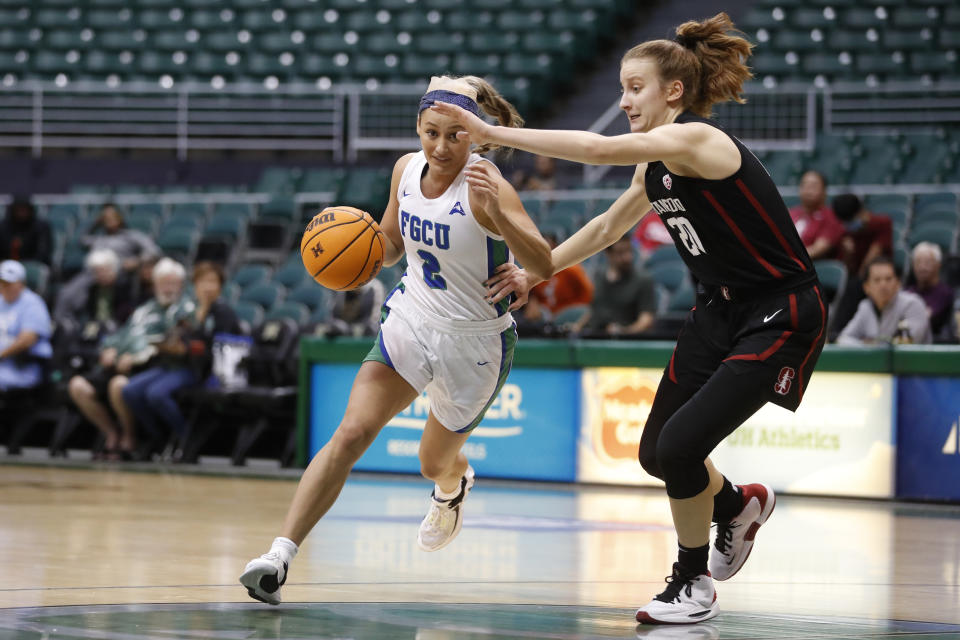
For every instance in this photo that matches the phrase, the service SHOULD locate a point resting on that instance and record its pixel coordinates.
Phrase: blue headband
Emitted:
(458, 99)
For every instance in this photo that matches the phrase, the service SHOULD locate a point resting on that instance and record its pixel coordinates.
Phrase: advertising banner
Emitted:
(928, 443)
(840, 441)
(529, 432)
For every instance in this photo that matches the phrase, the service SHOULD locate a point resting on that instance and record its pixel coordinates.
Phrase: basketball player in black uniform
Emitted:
(757, 329)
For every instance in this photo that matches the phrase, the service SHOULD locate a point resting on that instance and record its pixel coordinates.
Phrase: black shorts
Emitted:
(99, 378)
(772, 342)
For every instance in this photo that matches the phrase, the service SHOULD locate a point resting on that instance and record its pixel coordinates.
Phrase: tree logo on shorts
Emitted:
(783, 380)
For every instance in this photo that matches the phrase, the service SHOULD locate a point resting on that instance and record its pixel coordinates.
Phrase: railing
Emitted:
(892, 106)
(184, 118)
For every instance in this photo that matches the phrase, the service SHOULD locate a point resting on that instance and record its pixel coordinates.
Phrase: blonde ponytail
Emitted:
(495, 105)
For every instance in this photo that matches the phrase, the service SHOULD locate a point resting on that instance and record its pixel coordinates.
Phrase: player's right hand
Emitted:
(509, 279)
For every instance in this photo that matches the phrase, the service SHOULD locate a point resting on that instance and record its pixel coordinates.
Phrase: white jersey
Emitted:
(449, 256)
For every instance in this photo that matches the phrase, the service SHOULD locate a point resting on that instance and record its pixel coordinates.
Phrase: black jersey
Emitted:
(734, 232)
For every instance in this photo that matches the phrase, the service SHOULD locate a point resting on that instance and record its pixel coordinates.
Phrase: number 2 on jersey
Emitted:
(431, 270)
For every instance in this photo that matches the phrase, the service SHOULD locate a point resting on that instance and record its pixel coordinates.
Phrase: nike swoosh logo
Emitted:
(405, 194)
(483, 363)
(771, 316)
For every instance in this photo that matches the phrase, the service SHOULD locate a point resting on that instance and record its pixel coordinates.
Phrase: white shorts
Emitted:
(462, 374)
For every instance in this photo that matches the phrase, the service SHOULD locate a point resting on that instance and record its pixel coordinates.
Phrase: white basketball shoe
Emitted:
(264, 576)
(687, 599)
(735, 538)
(445, 518)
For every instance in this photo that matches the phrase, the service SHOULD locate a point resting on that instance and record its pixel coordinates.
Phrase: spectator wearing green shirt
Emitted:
(624, 299)
(130, 349)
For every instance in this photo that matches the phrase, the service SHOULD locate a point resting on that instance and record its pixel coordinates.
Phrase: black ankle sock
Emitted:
(694, 560)
(728, 503)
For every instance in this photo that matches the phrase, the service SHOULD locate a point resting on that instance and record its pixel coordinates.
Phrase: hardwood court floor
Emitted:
(105, 553)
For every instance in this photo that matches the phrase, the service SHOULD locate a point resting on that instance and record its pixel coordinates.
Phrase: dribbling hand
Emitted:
(510, 279)
(475, 128)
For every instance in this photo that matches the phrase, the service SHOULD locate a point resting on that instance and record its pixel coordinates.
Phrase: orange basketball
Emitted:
(342, 248)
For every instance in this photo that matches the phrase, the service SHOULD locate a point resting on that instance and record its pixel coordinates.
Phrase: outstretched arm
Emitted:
(686, 144)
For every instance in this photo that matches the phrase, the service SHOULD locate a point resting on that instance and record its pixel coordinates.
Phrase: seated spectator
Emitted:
(542, 178)
(131, 246)
(25, 330)
(937, 295)
(357, 312)
(866, 236)
(100, 294)
(624, 300)
(24, 236)
(887, 314)
(567, 288)
(130, 349)
(184, 356)
(818, 227)
(651, 234)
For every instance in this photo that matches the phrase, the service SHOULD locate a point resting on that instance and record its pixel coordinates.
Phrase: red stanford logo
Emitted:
(667, 181)
(783, 381)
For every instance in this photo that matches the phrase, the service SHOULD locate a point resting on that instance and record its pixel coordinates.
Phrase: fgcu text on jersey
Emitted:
(430, 233)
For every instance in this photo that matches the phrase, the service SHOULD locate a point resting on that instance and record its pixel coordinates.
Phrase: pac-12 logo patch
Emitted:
(667, 181)
(783, 380)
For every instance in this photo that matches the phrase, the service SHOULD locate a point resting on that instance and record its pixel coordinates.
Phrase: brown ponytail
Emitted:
(707, 59)
(493, 104)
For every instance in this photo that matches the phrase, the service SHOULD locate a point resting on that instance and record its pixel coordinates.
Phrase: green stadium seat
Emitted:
(479, 65)
(794, 40)
(240, 210)
(362, 21)
(176, 40)
(65, 39)
(15, 39)
(828, 63)
(493, 5)
(266, 294)
(763, 18)
(280, 209)
(278, 180)
(935, 62)
(51, 18)
(156, 19)
(250, 274)
(773, 64)
(851, 40)
(225, 40)
(226, 226)
(424, 65)
(310, 293)
(448, 43)
(519, 64)
(833, 278)
(482, 22)
(811, 18)
(249, 312)
(939, 233)
(146, 222)
(112, 19)
(523, 21)
(320, 180)
(376, 66)
(913, 40)
(862, 17)
(366, 189)
(558, 44)
(951, 16)
(880, 63)
(38, 277)
(291, 275)
(385, 42)
(179, 243)
(417, 22)
(296, 311)
(949, 38)
(670, 275)
(684, 298)
(666, 254)
(915, 17)
(496, 42)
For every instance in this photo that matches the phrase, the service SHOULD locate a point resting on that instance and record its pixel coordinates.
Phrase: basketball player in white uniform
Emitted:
(456, 219)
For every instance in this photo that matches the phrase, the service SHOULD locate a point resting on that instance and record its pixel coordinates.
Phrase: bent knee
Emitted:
(433, 469)
(79, 387)
(352, 438)
(648, 460)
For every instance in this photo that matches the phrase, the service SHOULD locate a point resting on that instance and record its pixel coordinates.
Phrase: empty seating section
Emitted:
(520, 43)
(846, 40)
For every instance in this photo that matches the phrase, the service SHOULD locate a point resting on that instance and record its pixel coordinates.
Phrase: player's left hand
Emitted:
(509, 279)
(475, 129)
(485, 185)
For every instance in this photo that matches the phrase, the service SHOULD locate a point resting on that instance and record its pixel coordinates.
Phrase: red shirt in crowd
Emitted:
(822, 223)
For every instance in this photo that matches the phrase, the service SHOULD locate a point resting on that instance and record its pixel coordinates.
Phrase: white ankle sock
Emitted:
(285, 548)
(440, 494)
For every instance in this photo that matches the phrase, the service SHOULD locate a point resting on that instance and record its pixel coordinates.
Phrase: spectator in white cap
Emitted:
(24, 329)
